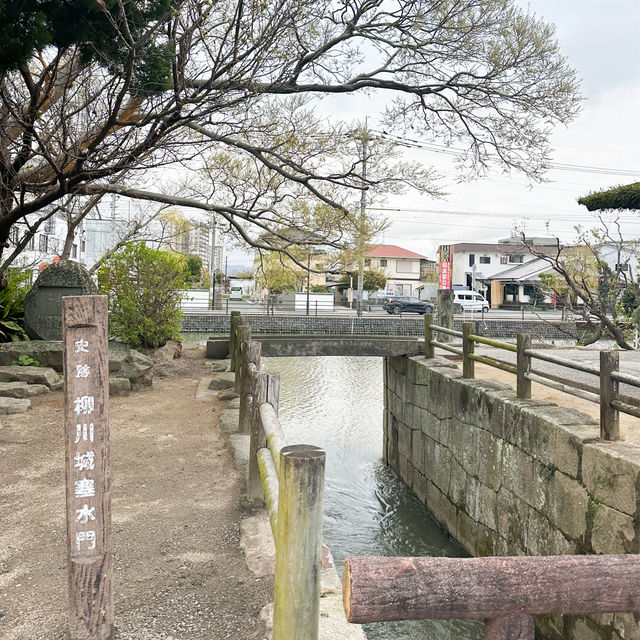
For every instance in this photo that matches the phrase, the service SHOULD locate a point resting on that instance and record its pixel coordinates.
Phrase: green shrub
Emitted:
(144, 302)
(12, 306)
(26, 361)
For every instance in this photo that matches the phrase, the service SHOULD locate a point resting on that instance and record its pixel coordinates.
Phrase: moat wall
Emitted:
(507, 476)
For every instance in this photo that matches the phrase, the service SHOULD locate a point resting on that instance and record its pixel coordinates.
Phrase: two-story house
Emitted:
(405, 270)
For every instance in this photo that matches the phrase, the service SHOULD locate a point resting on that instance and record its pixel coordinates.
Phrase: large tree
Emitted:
(95, 94)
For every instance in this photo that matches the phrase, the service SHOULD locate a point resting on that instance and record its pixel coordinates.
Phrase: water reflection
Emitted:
(336, 403)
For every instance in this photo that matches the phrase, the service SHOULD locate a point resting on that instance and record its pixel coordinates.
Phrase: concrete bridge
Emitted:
(324, 345)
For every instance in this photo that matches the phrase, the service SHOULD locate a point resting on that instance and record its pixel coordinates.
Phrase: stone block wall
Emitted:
(507, 476)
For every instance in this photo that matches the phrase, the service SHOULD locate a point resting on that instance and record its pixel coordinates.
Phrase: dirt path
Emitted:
(179, 573)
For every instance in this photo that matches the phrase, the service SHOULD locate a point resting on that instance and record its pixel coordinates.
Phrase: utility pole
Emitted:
(363, 212)
(212, 266)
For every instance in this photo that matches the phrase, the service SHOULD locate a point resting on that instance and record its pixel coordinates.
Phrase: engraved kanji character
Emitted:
(84, 461)
(86, 536)
(83, 370)
(85, 514)
(85, 488)
(81, 346)
(84, 431)
(84, 404)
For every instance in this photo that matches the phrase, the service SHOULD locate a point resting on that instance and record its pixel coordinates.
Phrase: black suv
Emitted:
(405, 304)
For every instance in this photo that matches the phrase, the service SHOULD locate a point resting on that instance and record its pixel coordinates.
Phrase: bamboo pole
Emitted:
(296, 614)
(250, 359)
(88, 494)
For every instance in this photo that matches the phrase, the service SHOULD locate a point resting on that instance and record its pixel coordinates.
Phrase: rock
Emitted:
(171, 351)
(228, 394)
(9, 406)
(47, 352)
(43, 303)
(119, 386)
(219, 367)
(30, 375)
(217, 348)
(21, 389)
(223, 381)
(234, 404)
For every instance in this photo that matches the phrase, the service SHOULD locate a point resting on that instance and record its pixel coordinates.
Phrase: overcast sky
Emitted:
(602, 42)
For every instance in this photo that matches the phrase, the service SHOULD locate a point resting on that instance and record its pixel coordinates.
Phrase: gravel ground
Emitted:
(179, 573)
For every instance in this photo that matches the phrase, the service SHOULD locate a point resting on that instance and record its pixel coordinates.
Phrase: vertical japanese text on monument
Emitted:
(84, 460)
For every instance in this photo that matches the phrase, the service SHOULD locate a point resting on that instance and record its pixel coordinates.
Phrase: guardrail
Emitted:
(606, 393)
(505, 592)
(290, 480)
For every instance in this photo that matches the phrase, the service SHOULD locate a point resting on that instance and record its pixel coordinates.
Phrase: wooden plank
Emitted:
(296, 614)
(379, 589)
(609, 416)
(88, 491)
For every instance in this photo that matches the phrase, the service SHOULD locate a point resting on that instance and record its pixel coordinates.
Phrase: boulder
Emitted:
(9, 406)
(47, 352)
(30, 375)
(21, 389)
(228, 394)
(119, 386)
(43, 303)
(223, 381)
(171, 351)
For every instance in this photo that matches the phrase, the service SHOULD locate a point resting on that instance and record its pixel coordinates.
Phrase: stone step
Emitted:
(21, 389)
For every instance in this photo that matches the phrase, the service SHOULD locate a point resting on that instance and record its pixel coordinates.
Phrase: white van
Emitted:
(470, 301)
(236, 293)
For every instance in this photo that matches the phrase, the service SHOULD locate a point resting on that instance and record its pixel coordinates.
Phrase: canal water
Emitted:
(336, 403)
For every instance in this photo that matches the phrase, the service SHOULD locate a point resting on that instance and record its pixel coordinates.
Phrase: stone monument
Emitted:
(43, 303)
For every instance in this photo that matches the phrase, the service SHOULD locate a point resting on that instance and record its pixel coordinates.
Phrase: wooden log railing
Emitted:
(290, 479)
(505, 592)
(606, 392)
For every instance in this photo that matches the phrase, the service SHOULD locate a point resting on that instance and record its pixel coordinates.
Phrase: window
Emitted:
(404, 266)
(43, 243)
(383, 262)
(472, 259)
(32, 243)
(516, 259)
(367, 262)
(74, 251)
(485, 260)
(504, 260)
(50, 226)
(14, 235)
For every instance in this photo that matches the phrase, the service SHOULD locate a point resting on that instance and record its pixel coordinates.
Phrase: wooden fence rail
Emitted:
(290, 479)
(505, 592)
(605, 392)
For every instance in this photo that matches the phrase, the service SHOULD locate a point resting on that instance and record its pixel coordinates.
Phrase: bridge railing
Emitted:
(606, 392)
(505, 592)
(290, 480)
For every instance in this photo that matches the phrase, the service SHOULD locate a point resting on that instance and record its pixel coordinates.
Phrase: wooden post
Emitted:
(265, 388)
(296, 613)
(468, 365)
(250, 359)
(233, 327)
(444, 312)
(514, 627)
(609, 417)
(86, 383)
(428, 335)
(523, 366)
(243, 336)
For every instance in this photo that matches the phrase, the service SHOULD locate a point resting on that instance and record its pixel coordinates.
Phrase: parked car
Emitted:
(405, 304)
(469, 301)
